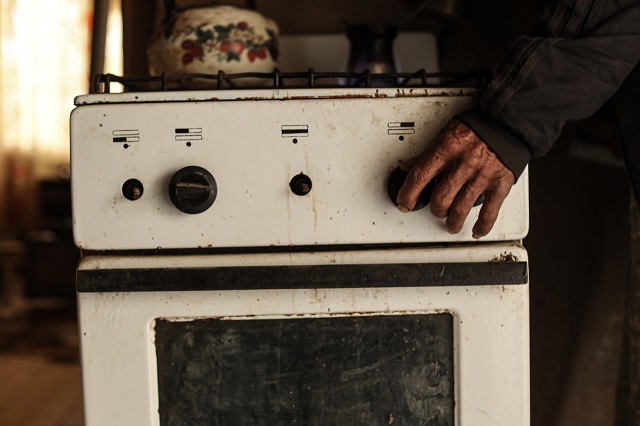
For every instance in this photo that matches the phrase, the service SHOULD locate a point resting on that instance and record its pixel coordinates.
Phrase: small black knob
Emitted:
(192, 189)
(132, 189)
(395, 182)
(300, 184)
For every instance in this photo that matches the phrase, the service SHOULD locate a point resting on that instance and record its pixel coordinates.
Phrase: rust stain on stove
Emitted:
(402, 93)
(505, 257)
(273, 97)
(350, 96)
(347, 96)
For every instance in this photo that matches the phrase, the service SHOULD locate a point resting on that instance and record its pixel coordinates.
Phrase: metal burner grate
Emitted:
(277, 78)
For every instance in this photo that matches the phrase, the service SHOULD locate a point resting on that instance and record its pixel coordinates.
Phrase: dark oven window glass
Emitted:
(360, 370)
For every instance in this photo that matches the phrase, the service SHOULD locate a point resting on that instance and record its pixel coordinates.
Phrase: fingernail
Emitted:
(476, 236)
(402, 208)
(449, 229)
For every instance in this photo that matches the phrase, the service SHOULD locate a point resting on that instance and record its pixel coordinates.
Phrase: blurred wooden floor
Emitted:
(40, 382)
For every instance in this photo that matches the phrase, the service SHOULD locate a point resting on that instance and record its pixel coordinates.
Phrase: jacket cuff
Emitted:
(507, 146)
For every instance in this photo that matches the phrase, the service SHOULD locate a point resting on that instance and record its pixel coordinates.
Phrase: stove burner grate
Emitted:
(277, 78)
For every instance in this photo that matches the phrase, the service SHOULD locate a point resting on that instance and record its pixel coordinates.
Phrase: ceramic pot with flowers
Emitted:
(206, 39)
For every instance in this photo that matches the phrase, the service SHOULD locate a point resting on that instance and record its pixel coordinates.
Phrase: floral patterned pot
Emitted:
(212, 38)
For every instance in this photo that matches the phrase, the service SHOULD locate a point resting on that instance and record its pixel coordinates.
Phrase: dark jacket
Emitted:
(571, 65)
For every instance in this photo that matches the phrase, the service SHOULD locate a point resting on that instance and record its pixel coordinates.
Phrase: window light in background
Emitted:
(44, 64)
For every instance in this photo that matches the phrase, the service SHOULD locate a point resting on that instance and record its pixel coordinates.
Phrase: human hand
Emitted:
(468, 169)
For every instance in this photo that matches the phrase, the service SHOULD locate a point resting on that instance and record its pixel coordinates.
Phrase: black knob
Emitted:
(132, 189)
(397, 178)
(300, 184)
(193, 190)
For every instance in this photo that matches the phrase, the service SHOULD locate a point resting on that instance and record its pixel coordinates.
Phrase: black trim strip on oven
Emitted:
(303, 277)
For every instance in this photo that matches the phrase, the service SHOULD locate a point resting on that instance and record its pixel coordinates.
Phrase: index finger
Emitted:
(423, 170)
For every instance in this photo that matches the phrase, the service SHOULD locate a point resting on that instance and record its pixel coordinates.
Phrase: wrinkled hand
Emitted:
(468, 169)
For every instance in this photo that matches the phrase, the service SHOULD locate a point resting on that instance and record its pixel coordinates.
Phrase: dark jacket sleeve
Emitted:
(566, 70)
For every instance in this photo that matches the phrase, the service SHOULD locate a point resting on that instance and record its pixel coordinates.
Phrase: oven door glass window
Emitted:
(338, 370)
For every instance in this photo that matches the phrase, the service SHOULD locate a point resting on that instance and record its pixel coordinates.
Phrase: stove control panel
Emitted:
(277, 171)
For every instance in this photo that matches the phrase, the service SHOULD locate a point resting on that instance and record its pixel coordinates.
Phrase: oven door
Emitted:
(417, 336)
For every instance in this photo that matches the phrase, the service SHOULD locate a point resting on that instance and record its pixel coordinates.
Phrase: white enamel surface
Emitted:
(349, 151)
(491, 338)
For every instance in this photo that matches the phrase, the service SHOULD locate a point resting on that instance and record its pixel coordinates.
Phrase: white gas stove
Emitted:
(245, 263)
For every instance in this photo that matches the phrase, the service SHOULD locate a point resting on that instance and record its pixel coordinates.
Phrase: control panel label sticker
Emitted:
(295, 131)
(401, 128)
(126, 136)
(188, 134)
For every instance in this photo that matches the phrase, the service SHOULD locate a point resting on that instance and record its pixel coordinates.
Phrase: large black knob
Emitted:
(396, 180)
(192, 189)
